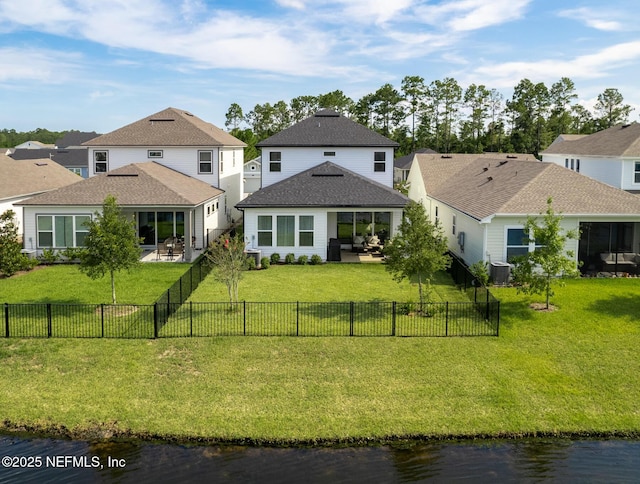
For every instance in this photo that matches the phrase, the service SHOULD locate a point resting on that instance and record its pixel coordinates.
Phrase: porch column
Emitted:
(188, 221)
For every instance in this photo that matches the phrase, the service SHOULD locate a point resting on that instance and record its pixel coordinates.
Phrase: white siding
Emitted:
(296, 160)
(606, 170)
(30, 220)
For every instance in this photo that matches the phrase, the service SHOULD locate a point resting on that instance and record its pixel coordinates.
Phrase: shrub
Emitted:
(48, 257)
(275, 258)
(71, 254)
(289, 258)
(480, 271)
(315, 259)
(250, 264)
(265, 262)
(303, 259)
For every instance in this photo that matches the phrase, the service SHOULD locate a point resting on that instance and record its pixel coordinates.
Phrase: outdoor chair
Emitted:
(161, 250)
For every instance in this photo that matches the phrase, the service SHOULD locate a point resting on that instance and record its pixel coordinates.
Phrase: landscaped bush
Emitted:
(251, 263)
(289, 258)
(71, 254)
(265, 262)
(315, 260)
(275, 258)
(48, 257)
(303, 259)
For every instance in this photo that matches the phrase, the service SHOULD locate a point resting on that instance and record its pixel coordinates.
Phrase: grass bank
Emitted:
(570, 372)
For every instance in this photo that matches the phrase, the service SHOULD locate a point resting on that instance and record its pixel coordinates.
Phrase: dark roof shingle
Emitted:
(325, 185)
(327, 128)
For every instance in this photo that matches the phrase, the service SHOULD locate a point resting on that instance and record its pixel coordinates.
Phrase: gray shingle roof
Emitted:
(75, 138)
(69, 158)
(27, 177)
(485, 187)
(325, 185)
(404, 162)
(619, 140)
(146, 184)
(171, 127)
(327, 128)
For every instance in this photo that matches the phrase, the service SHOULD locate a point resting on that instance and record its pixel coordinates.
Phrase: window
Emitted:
(286, 231)
(100, 161)
(205, 161)
(154, 153)
(62, 231)
(377, 166)
(379, 156)
(329, 153)
(636, 172)
(453, 225)
(572, 164)
(265, 231)
(305, 233)
(578, 165)
(221, 161)
(517, 243)
(275, 159)
(437, 218)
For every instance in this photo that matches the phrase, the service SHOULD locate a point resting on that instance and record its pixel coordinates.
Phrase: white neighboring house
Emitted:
(324, 179)
(25, 178)
(177, 176)
(252, 175)
(482, 203)
(611, 155)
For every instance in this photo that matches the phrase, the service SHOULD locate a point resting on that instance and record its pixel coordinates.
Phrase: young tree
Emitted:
(112, 244)
(536, 271)
(229, 260)
(11, 258)
(418, 250)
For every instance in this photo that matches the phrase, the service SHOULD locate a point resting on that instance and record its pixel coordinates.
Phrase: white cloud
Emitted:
(467, 15)
(47, 66)
(295, 4)
(597, 19)
(590, 66)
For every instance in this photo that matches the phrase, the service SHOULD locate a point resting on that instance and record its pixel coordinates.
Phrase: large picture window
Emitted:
(265, 231)
(61, 231)
(305, 231)
(517, 243)
(286, 231)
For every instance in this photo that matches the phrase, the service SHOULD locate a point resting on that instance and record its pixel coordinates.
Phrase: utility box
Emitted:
(333, 254)
(500, 273)
(255, 254)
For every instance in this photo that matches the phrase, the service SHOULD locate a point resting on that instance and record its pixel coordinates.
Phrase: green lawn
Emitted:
(64, 283)
(573, 371)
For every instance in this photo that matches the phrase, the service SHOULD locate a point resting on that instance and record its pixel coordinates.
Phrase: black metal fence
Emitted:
(174, 319)
(171, 316)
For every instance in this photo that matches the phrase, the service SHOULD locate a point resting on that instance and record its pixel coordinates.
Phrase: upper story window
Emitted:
(379, 166)
(453, 225)
(205, 161)
(636, 172)
(100, 161)
(275, 161)
(154, 153)
(379, 158)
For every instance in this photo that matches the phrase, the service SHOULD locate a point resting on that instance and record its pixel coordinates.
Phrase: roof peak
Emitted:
(327, 113)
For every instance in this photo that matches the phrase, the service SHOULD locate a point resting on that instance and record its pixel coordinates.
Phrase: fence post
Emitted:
(487, 311)
(393, 318)
(446, 318)
(6, 319)
(498, 318)
(351, 311)
(48, 320)
(155, 320)
(102, 318)
(191, 318)
(244, 318)
(297, 318)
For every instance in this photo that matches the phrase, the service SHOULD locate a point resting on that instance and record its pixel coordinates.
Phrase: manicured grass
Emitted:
(327, 282)
(573, 371)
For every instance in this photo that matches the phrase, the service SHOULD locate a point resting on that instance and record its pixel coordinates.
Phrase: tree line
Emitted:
(443, 116)
(10, 138)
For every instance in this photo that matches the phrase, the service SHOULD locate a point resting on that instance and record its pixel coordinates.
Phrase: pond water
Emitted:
(583, 461)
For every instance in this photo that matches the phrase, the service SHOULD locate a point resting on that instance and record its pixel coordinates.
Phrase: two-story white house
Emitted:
(326, 177)
(173, 173)
(611, 156)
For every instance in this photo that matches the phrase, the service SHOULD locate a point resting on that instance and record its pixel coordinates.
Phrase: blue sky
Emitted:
(96, 65)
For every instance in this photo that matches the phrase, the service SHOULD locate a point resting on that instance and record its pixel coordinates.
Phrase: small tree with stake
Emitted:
(535, 272)
(417, 251)
(111, 244)
(229, 260)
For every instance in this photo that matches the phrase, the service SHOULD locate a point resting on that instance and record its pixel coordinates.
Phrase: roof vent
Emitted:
(626, 125)
(327, 174)
(503, 162)
(446, 156)
(486, 168)
(513, 157)
(122, 174)
(489, 178)
(188, 113)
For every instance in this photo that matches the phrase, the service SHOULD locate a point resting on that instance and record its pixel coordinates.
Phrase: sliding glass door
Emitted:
(154, 227)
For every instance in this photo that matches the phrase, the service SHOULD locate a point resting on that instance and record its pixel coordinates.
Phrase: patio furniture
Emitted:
(161, 250)
(620, 261)
(178, 250)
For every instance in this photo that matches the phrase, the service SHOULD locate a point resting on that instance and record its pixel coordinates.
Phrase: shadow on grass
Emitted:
(513, 312)
(618, 306)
